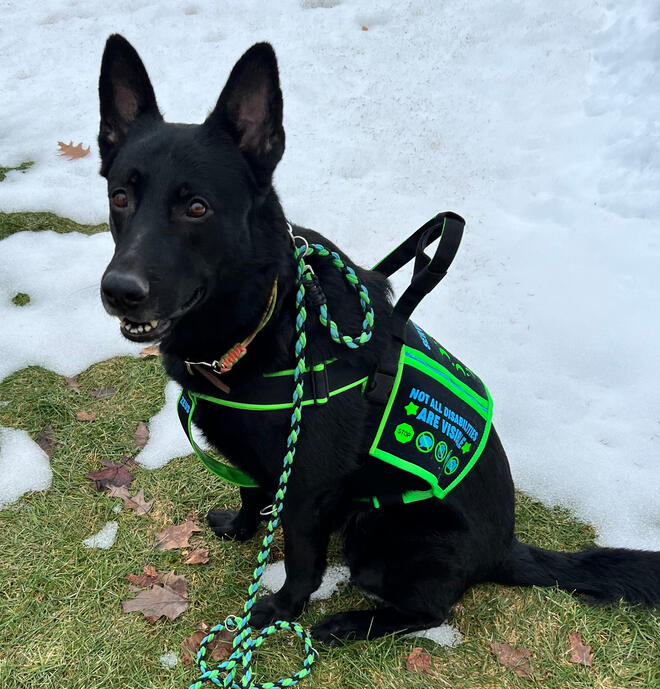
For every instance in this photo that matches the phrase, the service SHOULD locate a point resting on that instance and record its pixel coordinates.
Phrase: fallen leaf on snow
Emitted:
(103, 393)
(86, 416)
(199, 556)
(113, 475)
(516, 659)
(136, 502)
(580, 653)
(141, 435)
(176, 536)
(419, 661)
(72, 152)
(156, 602)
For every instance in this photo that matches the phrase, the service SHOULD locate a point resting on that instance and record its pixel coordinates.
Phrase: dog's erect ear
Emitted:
(250, 107)
(125, 93)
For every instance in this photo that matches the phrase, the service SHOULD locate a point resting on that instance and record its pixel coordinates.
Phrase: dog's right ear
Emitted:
(125, 93)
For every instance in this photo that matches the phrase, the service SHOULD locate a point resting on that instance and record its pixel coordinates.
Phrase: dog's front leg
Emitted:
(242, 524)
(305, 546)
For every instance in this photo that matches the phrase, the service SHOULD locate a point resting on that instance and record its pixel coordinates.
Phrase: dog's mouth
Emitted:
(154, 330)
(144, 332)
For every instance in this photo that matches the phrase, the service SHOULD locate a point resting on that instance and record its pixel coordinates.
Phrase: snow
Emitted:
(169, 660)
(64, 328)
(335, 575)
(535, 121)
(105, 538)
(24, 466)
(444, 635)
(166, 437)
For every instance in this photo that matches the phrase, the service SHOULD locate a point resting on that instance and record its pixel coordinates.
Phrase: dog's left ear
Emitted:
(250, 107)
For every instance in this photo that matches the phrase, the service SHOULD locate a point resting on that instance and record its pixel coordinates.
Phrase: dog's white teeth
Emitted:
(153, 324)
(147, 327)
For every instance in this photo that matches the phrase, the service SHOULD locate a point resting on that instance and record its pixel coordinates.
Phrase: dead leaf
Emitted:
(72, 382)
(176, 536)
(222, 645)
(151, 350)
(365, 28)
(148, 577)
(220, 648)
(156, 602)
(103, 393)
(114, 475)
(46, 440)
(580, 653)
(141, 435)
(199, 556)
(419, 661)
(86, 416)
(516, 659)
(190, 646)
(142, 506)
(72, 152)
(136, 502)
(176, 582)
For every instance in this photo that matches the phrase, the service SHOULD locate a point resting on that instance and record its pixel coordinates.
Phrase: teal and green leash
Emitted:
(240, 662)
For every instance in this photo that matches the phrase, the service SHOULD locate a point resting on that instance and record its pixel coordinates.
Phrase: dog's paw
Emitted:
(231, 524)
(341, 628)
(268, 610)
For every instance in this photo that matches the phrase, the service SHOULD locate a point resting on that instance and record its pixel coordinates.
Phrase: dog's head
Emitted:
(182, 197)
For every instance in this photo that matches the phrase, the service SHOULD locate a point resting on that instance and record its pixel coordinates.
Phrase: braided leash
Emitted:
(244, 643)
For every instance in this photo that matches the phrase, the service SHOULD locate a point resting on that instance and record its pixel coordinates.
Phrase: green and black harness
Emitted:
(435, 412)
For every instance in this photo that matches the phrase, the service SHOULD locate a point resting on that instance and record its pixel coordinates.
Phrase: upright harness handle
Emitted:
(427, 273)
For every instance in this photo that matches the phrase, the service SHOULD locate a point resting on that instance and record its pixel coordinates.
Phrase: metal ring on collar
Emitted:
(267, 511)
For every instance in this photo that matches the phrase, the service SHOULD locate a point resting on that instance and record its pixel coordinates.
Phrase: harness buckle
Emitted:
(379, 387)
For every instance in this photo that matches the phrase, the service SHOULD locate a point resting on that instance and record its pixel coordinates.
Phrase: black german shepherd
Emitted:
(200, 238)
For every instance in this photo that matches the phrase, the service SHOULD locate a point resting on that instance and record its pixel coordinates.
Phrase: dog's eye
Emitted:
(196, 209)
(119, 199)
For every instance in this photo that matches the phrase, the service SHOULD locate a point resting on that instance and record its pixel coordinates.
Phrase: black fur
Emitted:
(207, 279)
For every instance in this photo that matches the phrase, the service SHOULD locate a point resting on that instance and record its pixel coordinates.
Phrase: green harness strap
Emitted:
(186, 405)
(319, 395)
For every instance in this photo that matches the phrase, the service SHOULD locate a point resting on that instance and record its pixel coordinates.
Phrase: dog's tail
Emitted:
(604, 575)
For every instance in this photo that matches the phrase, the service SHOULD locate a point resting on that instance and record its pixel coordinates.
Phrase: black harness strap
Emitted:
(427, 273)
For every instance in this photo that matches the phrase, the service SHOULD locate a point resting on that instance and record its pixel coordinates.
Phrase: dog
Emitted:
(202, 250)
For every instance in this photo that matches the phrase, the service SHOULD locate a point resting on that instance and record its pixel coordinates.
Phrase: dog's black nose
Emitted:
(124, 291)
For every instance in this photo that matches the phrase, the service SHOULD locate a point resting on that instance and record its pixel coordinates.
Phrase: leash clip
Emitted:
(305, 243)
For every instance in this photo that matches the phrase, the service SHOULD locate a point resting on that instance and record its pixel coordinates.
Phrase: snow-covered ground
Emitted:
(536, 121)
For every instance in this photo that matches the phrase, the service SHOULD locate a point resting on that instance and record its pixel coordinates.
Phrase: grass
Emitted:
(18, 222)
(19, 168)
(62, 625)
